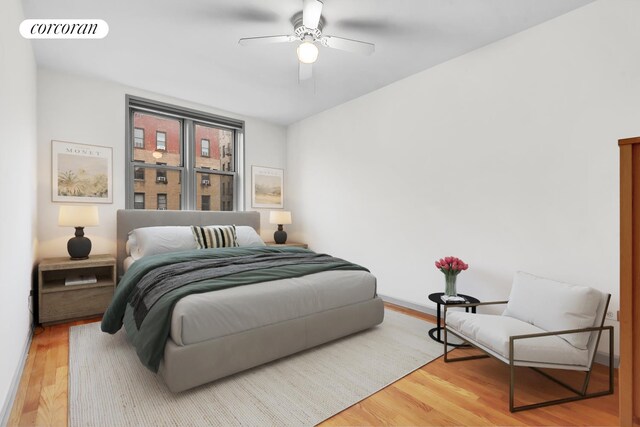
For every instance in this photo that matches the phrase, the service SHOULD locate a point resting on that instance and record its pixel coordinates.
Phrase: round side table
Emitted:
(434, 333)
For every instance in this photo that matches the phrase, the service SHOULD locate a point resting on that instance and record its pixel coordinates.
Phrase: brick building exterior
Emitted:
(156, 140)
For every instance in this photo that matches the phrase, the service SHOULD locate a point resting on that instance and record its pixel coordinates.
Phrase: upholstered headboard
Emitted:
(130, 219)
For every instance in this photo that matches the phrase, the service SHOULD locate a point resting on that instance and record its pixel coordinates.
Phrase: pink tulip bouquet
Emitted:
(451, 267)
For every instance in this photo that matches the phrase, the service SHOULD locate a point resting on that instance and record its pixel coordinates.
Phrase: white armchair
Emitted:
(546, 324)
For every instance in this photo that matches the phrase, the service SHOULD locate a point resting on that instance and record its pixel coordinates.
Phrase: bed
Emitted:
(215, 334)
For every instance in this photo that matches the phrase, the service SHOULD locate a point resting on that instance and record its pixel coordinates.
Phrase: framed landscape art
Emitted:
(267, 187)
(81, 173)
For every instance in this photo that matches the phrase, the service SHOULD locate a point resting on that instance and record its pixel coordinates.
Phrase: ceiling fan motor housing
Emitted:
(302, 32)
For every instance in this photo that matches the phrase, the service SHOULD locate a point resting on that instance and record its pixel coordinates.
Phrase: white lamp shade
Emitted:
(78, 216)
(307, 52)
(280, 217)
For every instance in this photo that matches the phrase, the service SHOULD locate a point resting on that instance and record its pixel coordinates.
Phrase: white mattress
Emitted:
(201, 317)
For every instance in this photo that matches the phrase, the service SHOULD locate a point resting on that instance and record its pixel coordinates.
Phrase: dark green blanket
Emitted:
(150, 332)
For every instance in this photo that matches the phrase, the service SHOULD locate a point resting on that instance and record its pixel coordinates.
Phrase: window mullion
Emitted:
(238, 181)
(188, 180)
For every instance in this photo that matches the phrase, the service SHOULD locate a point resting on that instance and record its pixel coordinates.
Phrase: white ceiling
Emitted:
(189, 49)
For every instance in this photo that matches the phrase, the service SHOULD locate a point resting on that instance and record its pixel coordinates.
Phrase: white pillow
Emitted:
(247, 236)
(131, 243)
(148, 241)
(159, 240)
(554, 306)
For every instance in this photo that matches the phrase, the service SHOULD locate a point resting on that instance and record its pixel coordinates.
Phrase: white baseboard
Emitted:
(601, 358)
(15, 383)
(406, 304)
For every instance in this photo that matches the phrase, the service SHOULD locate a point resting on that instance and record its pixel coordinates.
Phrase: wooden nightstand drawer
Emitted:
(60, 300)
(56, 306)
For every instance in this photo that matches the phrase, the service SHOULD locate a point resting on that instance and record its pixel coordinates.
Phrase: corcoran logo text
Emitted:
(64, 29)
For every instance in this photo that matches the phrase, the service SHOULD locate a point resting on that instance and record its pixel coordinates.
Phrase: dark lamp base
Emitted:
(79, 247)
(280, 236)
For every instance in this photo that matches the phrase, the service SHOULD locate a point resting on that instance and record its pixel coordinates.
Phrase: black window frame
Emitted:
(143, 195)
(161, 176)
(158, 132)
(158, 201)
(202, 141)
(206, 197)
(135, 138)
(138, 173)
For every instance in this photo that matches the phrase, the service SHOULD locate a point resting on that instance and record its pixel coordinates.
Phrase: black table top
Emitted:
(436, 297)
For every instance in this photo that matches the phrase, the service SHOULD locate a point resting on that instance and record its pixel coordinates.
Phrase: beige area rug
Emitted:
(108, 386)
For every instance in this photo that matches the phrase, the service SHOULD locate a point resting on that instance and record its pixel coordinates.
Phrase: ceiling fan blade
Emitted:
(311, 11)
(243, 14)
(305, 71)
(252, 41)
(348, 45)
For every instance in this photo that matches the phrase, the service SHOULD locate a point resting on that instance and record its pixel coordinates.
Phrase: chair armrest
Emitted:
(470, 304)
(564, 332)
(609, 329)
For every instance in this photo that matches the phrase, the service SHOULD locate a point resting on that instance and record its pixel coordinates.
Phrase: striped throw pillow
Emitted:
(215, 236)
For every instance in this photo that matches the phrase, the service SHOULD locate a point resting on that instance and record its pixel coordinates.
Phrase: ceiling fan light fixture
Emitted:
(307, 52)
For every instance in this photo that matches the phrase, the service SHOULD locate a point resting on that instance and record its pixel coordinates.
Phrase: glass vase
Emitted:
(450, 285)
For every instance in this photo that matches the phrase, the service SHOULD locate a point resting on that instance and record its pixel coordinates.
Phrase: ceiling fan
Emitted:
(307, 30)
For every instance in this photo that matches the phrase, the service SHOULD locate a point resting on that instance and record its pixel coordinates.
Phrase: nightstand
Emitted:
(434, 333)
(59, 302)
(294, 244)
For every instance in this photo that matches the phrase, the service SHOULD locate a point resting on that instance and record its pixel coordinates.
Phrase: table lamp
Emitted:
(78, 217)
(280, 217)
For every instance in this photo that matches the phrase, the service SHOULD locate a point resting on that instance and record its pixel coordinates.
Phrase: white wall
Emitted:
(90, 111)
(506, 157)
(17, 192)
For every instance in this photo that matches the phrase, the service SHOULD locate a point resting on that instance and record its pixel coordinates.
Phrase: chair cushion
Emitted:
(493, 332)
(554, 306)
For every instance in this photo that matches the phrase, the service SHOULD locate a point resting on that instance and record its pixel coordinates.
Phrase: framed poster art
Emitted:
(81, 173)
(267, 187)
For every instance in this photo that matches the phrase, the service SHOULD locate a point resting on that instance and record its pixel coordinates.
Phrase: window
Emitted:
(138, 174)
(138, 201)
(206, 203)
(161, 140)
(138, 137)
(161, 174)
(194, 161)
(162, 202)
(204, 148)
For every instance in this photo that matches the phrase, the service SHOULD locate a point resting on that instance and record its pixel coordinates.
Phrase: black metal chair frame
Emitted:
(580, 394)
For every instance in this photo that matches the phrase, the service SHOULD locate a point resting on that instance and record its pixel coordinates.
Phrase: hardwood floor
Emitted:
(42, 396)
(463, 393)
